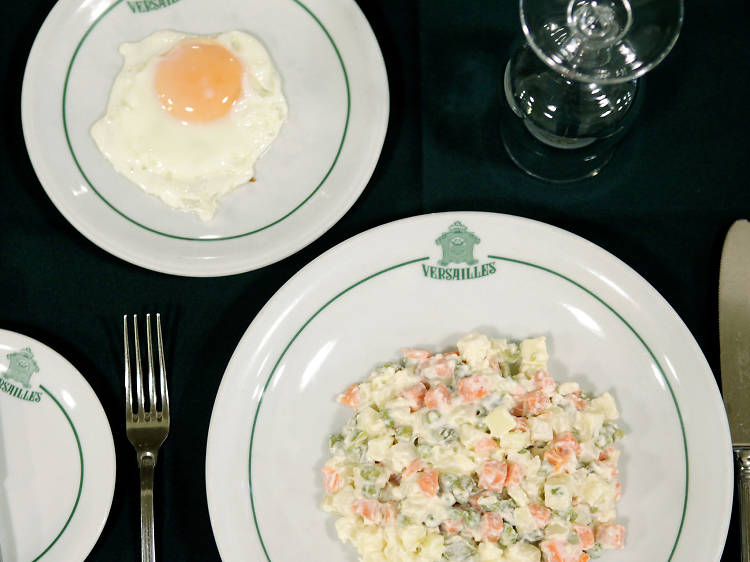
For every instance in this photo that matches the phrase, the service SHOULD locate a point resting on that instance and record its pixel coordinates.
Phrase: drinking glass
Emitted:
(573, 85)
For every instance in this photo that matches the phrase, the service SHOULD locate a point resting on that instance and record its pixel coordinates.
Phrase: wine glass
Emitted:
(573, 86)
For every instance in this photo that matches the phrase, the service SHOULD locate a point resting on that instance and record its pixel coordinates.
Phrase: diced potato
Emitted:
(558, 493)
(605, 404)
(559, 420)
(400, 455)
(500, 421)
(541, 430)
(377, 449)
(515, 440)
(474, 348)
(556, 531)
(588, 424)
(525, 522)
(369, 421)
(595, 490)
(490, 552)
(519, 496)
(568, 388)
(412, 536)
(522, 552)
(432, 548)
(533, 353)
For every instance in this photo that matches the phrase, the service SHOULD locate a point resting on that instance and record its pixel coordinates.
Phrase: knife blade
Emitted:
(734, 340)
(734, 330)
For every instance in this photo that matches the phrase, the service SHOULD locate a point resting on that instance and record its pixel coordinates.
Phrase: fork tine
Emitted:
(162, 370)
(151, 374)
(138, 369)
(128, 383)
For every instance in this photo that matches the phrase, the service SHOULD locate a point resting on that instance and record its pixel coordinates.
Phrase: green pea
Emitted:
(370, 473)
(387, 419)
(370, 491)
(432, 520)
(595, 551)
(334, 440)
(459, 551)
(472, 518)
(432, 416)
(404, 432)
(448, 434)
(573, 538)
(424, 450)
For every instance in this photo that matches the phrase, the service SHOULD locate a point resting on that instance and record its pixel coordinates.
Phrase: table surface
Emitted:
(663, 206)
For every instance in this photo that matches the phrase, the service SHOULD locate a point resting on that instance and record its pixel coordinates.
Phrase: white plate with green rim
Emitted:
(336, 87)
(57, 458)
(358, 304)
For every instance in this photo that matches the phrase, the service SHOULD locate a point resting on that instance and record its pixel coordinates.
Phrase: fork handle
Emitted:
(743, 482)
(147, 464)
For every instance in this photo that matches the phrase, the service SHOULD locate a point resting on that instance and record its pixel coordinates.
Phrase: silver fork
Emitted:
(146, 428)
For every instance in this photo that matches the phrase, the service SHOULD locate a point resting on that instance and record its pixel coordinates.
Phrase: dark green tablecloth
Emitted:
(663, 206)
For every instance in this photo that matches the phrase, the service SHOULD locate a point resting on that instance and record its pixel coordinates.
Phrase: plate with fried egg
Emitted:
(204, 139)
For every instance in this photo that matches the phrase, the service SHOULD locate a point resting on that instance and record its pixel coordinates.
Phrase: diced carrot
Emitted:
(491, 526)
(368, 509)
(618, 491)
(331, 480)
(540, 514)
(451, 526)
(552, 550)
(567, 442)
(515, 475)
(485, 445)
(558, 460)
(531, 404)
(607, 453)
(575, 398)
(388, 511)
(428, 482)
(473, 388)
(564, 452)
(521, 424)
(351, 397)
(441, 365)
(544, 382)
(584, 557)
(437, 397)
(413, 467)
(492, 475)
(556, 550)
(416, 353)
(585, 536)
(611, 536)
(415, 396)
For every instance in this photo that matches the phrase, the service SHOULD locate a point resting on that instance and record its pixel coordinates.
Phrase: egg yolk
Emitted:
(198, 81)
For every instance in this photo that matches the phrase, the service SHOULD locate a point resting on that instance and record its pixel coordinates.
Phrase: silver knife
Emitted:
(734, 337)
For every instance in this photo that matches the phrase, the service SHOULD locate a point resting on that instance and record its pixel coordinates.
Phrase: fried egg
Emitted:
(188, 116)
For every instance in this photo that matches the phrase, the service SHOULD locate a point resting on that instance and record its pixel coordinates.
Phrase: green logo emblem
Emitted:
(21, 367)
(458, 248)
(458, 245)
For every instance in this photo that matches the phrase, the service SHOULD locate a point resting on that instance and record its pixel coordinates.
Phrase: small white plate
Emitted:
(336, 87)
(57, 459)
(361, 302)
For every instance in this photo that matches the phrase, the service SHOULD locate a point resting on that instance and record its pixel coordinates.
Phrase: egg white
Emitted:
(189, 166)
